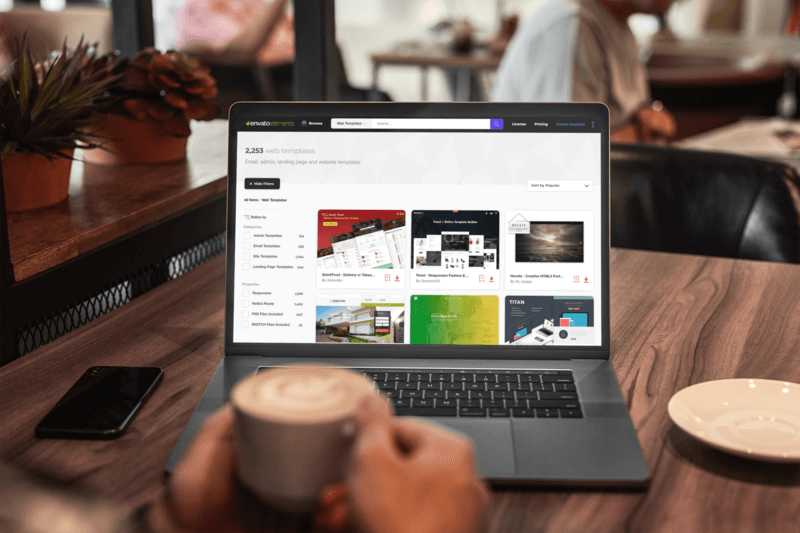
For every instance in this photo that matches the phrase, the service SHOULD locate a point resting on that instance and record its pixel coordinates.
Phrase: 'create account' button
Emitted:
(262, 183)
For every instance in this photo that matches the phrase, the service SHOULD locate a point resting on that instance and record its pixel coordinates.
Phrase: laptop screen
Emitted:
(363, 230)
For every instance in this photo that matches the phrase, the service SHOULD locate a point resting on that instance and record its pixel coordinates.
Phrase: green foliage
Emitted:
(49, 107)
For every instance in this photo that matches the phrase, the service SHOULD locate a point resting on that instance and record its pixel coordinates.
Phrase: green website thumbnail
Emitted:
(454, 319)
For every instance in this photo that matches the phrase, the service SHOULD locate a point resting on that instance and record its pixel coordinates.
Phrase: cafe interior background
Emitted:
(365, 27)
(726, 69)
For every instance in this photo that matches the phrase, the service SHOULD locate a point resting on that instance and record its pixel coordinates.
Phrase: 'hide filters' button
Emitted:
(262, 183)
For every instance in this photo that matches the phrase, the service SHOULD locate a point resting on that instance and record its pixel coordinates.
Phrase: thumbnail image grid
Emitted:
(361, 239)
(455, 240)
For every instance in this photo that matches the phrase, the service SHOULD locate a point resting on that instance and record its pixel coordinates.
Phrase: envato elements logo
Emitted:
(267, 123)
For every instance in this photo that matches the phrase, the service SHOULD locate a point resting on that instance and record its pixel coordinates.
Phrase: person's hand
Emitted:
(655, 124)
(204, 494)
(412, 476)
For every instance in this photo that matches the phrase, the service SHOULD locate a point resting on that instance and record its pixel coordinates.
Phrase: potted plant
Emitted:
(47, 110)
(151, 109)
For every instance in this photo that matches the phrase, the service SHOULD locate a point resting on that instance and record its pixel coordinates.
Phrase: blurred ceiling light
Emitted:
(53, 5)
(6, 5)
(431, 12)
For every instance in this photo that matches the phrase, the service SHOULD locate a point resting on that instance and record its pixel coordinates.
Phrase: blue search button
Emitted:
(496, 124)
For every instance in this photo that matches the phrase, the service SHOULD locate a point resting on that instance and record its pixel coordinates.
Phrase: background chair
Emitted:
(684, 201)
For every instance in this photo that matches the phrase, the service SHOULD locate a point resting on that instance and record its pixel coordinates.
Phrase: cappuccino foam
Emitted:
(301, 393)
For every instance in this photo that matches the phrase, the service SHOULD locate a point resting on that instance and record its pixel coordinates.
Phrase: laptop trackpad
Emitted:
(492, 440)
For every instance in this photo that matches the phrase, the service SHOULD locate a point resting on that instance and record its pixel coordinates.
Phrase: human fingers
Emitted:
(412, 434)
(333, 513)
(211, 448)
(332, 494)
(374, 424)
(202, 482)
(432, 445)
(658, 124)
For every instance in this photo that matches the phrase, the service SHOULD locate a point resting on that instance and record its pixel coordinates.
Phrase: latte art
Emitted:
(303, 392)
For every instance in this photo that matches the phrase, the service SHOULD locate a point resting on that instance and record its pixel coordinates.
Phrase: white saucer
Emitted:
(752, 418)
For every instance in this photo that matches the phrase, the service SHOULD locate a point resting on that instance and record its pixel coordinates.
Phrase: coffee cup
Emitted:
(294, 428)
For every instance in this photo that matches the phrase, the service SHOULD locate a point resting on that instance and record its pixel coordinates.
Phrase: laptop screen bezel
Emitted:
(328, 110)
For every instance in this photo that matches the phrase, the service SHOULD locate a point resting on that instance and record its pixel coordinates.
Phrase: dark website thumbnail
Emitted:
(455, 240)
(550, 242)
(554, 320)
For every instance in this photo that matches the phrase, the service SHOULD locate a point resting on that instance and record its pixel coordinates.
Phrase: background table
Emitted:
(676, 320)
(437, 57)
(753, 136)
(716, 79)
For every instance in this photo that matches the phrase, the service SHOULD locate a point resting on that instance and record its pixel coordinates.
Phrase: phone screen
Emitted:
(103, 400)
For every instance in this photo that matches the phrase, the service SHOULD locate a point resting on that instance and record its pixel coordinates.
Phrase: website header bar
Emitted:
(416, 123)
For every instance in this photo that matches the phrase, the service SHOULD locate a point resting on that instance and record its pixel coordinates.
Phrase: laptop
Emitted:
(547, 324)
(411, 242)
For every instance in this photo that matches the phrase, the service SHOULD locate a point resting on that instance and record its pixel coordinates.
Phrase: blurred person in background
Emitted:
(244, 28)
(584, 51)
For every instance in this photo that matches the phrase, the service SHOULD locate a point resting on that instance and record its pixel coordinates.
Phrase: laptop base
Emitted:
(599, 449)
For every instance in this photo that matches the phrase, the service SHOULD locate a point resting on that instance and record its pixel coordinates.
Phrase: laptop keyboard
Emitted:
(475, 394)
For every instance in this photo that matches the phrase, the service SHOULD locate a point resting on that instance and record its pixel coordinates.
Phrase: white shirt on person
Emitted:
(574, 51)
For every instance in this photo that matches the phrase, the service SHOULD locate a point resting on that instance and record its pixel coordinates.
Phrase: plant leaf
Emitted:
(24, 81)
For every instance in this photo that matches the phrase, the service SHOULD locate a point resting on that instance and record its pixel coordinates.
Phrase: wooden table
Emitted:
(676, 320)
(120, 231)
(438, 57)
(753, 136)
(715, 80)
(106, 202)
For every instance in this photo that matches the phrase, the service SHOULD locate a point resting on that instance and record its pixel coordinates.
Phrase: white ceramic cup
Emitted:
(294, 430)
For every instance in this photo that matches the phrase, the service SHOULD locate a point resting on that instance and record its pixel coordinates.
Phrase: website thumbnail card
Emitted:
(437, 319)
(545, 320)
(364, 243)
(358, 319)
(550, 250)
(455, 249)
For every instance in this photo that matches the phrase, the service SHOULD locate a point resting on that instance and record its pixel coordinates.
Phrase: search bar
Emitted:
(417, 123)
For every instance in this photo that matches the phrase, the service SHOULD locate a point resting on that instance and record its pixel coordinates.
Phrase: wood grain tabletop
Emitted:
(106, 202)
(676, 320)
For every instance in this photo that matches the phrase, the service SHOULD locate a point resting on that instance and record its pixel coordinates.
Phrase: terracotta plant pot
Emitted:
(32, 180)
(132, 142)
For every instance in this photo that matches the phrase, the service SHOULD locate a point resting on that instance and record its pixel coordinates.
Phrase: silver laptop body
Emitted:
(455, 240)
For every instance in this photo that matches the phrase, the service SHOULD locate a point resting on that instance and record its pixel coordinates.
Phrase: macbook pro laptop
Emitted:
(411, 242)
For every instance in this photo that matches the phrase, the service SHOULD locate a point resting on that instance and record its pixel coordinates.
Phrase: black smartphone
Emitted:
(101, 404)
